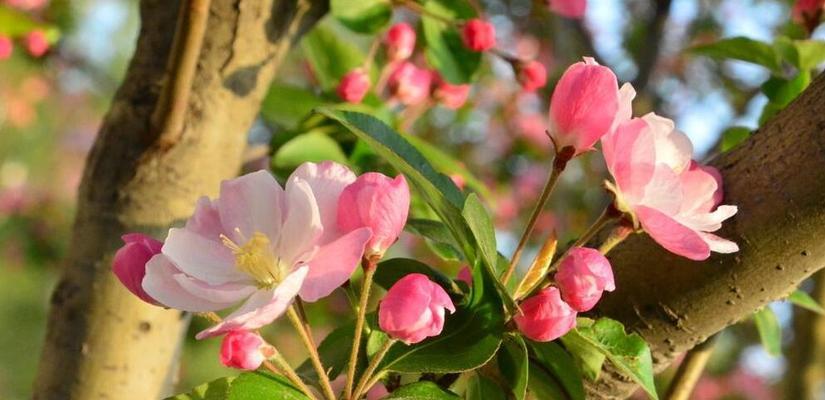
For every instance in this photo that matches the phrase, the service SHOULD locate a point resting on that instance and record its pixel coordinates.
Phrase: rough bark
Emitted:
(101, 342)
(805, 379)
(777, 178)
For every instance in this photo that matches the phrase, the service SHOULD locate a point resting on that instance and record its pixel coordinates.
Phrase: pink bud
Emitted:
(569, 8)
(545, 316)
(804, 10)
(129, 264)
(354, 86)
(6, 47)
(409, 84)
(242, 350)
(479, 35)
(584, 105)
(532, 75)
(465, 275)
(36, 43)
(413, 309)
(378, 202)
(583, 275)
(400, 41)
(452, 96)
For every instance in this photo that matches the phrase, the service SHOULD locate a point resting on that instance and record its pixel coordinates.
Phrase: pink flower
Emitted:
(583, 275)
(129, 264)
(259, 243)
(242, 350)
(409, 84)
(353, 86)
(400, 41)
(674, 199)
(479, 35)
(413, 309)
(451, 96)
(532, 76)
(36, 43)
(377, 202)
(569, 8)
(6, 47)
(545, 316)
(586, 104)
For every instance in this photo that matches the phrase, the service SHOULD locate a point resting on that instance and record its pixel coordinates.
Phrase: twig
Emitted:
(367, 379)
(306, 338)
(690, 371)
(369, 271)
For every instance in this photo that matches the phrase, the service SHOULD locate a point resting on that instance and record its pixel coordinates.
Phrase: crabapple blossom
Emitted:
(674, 199)
(586, 104)
(545, 316)
(354, 86)
(242, 350)
(569, 8)
(409, 84)
(532, 75)
(261, 244)
(129, 264)
(479, 35)
(413, 309)
(6, 47)
(582, 277)
(36, 43)
(400, 41)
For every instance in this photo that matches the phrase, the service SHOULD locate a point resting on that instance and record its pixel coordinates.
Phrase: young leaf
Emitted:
(561, 365)
(445, 50)
(805, 301)
(312, 146)
(783, 91)
(482, 227)
(811, 53)
(744, 49)
(733, 136)
(770, 333)
(246, 386)
(362, 16)
(480, 387)
(538, 269)
(437, 235)
(514, 365)
(588, 358)
(423, 390)
(390, 271)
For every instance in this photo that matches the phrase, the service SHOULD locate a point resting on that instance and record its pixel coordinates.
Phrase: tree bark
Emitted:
(777, 178)
(141, 175)
(805, 379)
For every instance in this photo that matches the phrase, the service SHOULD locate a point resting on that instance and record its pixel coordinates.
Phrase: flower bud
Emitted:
(451, 96)
(545, 317)
(6, 47)
(413, 309)
(569, 8)
(400, 41)
(242, 350)
(479, 35)
(353, 86)
(582, 277)
(409, 84)
(378, 202)
(532, 76)
(129, 264)
(36, 43)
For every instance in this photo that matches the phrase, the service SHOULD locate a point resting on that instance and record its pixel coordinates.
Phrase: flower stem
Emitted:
(367, 379)
(306, 337)
(283, 368)
(369, 271)
(562, 157)
(690, 371)
(619, 234)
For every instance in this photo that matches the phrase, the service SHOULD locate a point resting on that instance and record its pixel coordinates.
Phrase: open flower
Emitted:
(674, 199)
(413, 309)
(259, 243)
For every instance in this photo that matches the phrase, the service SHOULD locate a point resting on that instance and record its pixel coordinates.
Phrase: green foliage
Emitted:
(805, 301)
(733, 136)
(445, 50)
(628, 353)
(334, 351)
(479, 387)
(513, 364)
(246, 386)
(330, 56)
(312, 146)
(448, 164)
(437, 236)
(390, 271)
(362, 16)
(561, 365)
(16, 23)
(542, 385)
(286, 105)
(482, 227)
(743, 49)
(423, 390)
(770, 333)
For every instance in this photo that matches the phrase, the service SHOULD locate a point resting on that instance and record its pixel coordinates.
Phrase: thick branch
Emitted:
(777, 178)
(101, 341)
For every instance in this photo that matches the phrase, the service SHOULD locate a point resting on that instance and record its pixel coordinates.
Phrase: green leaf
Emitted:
(783, 91)
(628, 353)
(390, 271)
(312, 146)
(334, 351)
(445, 50)
(15, 23)
(362, 16)
(514, 365)
(423, 390)
(805, 301)
(330, 55)
(744, 49)
(482, 227)
(246, 386)
(561, 365)
(437, 235)
(542, 385)
(445, 162)
(286, 105)
(480, 387)
(733, 136)
(810, 53)
(587, 357)
(770, 333)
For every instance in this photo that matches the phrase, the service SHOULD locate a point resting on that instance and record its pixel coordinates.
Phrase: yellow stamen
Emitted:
(255, 258)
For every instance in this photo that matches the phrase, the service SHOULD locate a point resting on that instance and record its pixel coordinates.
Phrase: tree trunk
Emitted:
(805, 379)
(175, 129)
(777, 178)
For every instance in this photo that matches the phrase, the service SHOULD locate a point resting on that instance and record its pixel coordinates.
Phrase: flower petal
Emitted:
(718, 244)
(251, 203)
(333, 264)
(205, 259)
(326, 181)
(162, 282)
(672, 235)
(302, 225)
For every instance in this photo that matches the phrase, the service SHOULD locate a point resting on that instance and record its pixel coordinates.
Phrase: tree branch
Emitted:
(649, 53)
(776, 178)
(101, 341)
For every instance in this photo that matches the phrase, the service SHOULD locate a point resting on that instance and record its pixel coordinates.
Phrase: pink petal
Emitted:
(664, 191)
(302, 226)
(625, 110)
(251, 203)
(162, 282)
(718, 244)
(326, 180)
(333, 264)
(672, 235)
(205, 259)
(263, 307)
(672, 147)
(205, 221)
(709, 222)
(630, 155)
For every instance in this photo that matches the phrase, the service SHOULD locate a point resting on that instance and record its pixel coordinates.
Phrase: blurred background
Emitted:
(68, 57)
